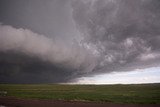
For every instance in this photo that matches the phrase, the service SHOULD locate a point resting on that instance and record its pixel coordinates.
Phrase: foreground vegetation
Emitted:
(141, 94)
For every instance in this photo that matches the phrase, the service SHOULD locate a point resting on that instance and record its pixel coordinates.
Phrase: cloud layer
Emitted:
(114, 35)
(29, 52)
(124, 33)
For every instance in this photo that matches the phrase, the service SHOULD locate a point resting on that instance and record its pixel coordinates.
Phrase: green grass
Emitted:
(139, 94)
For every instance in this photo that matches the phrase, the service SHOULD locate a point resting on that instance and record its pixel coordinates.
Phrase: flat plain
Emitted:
(117, 94)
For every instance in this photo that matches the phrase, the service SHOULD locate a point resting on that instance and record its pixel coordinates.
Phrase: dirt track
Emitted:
(14, 102)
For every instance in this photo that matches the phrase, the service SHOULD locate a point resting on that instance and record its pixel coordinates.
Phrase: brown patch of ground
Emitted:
(16, 102)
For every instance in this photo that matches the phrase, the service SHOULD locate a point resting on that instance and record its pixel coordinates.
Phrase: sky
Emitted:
(80, 41)
(139, 76)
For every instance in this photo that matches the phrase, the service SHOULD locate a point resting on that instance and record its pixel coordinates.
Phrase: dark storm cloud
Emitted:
(40, 57)
(55, 41)
(124, 33)
(40, 43)
(51, 18)
(21, 68)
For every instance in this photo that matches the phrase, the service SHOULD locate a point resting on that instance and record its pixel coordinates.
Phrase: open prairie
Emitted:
(124, 94)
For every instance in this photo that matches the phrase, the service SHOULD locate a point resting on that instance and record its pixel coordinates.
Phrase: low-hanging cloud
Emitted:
(52, 56)
(114, 35)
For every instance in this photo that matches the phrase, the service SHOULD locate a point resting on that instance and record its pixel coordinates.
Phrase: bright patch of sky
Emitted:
(149, 75)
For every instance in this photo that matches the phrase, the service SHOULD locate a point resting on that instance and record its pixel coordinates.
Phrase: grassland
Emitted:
(139, 94)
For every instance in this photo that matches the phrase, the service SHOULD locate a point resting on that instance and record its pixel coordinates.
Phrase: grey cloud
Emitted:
(51, 18)
(113, 35)
(46, 56)
(20, 68)
(124, 32)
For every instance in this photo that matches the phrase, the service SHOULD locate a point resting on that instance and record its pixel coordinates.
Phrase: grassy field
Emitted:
(140, 94)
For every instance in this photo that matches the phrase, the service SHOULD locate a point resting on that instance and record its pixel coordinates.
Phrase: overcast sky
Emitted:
(72, 41)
